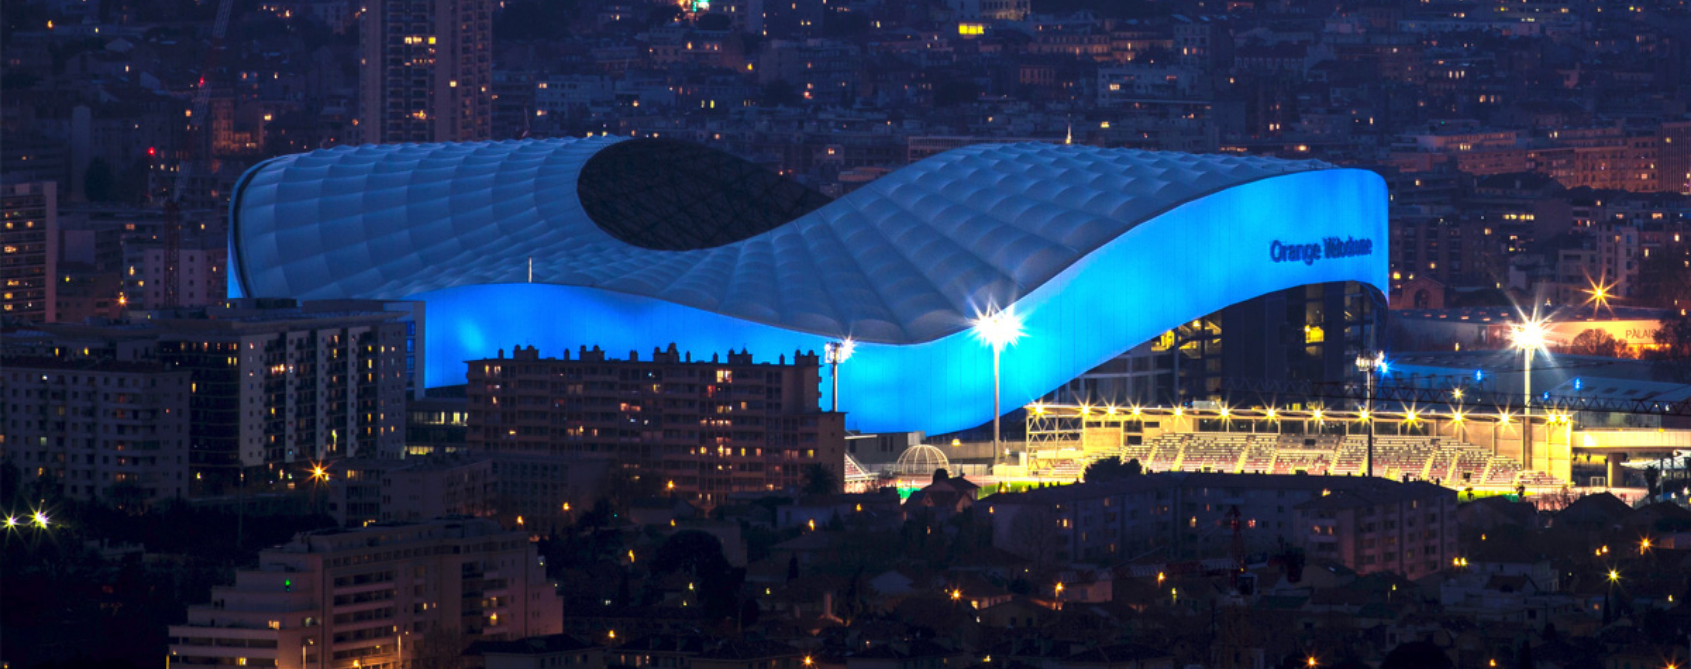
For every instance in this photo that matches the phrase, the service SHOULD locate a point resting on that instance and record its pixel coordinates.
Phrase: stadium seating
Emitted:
(1259, 454)
(1442, 459)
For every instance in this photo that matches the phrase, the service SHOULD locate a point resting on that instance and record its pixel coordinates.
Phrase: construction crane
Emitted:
(172, 232)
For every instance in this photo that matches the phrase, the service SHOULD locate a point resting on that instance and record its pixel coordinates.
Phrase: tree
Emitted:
(700, 555)
(1112, 468)
(1523, 656)
(1416, 655)
(1033, 535)
(1652, 481)
(820, 480)
(439, 648)
(1598, 343)
(1673, 353)
(697, 553)
(1664, 281)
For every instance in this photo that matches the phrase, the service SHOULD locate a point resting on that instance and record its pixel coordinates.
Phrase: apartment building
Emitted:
(1407, 528)
(1192, 516)
(97, 429)
(201, 264)
(271, 384)
(427, 71)
(29, 250)
(367, 597)
(709, 428)
(536, 493)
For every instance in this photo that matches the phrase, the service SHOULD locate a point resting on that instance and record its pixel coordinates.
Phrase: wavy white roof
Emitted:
(910, 257)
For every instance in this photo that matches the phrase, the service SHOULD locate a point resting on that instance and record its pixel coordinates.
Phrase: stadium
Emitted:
(639, 243)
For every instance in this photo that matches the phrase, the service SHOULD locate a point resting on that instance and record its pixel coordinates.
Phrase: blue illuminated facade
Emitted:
(1096, 250)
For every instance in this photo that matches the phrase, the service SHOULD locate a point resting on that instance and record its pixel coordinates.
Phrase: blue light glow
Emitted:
(1191, 260)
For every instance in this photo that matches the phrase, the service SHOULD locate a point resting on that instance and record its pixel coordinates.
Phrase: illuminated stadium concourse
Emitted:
(633, 244)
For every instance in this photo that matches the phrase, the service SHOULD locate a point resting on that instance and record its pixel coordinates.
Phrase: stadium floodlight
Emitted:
(1528, 337)
(1370, 365)
(835, 353)
(997, 329)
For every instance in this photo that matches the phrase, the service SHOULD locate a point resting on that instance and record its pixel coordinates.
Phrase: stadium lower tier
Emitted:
(1443, 460)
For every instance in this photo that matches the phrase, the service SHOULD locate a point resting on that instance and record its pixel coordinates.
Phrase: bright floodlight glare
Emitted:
(1529, 335)
(843, 351)
(11, 522)
(40, 519)
(999, 329)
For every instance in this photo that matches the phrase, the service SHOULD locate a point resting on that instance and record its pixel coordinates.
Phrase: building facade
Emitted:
(200, 278)
(427, 71)
(537, 493)
(271, 385)
(368, 597)
(1408, 528)
(708, 428)
(1308, 333)
(29, 250)
(97, 429)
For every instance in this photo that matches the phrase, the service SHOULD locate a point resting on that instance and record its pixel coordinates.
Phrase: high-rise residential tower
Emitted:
(29, 250)
(426, 71)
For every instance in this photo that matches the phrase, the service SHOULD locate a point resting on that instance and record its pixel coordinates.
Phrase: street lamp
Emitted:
(997, 329)
(1528, 338)
(836, 352)
(1369, 365)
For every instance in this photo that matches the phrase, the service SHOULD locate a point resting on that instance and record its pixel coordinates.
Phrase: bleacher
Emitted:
(1259, 454)
(1315, 463)
(1466, 460)
(1068, 469)
(1352, 457)
(1500, 472)
(1537, 478)
(1395, 456)
(1140, 452)
(1165, 452)
(1216, 453)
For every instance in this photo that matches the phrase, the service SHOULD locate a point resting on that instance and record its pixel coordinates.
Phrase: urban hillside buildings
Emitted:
(1364, 523)
(370, 597)
(705, 428)
(97, 429)
(271, 384)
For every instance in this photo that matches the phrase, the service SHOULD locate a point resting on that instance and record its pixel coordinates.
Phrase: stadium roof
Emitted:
(638, 244)
(908, 258)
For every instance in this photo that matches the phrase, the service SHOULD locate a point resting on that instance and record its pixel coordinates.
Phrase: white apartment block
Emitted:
(368, 597)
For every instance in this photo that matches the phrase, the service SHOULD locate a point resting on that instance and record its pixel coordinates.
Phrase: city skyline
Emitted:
(845, 334)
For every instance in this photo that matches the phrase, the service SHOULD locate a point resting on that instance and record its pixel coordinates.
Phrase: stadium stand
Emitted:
(1448, 461)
